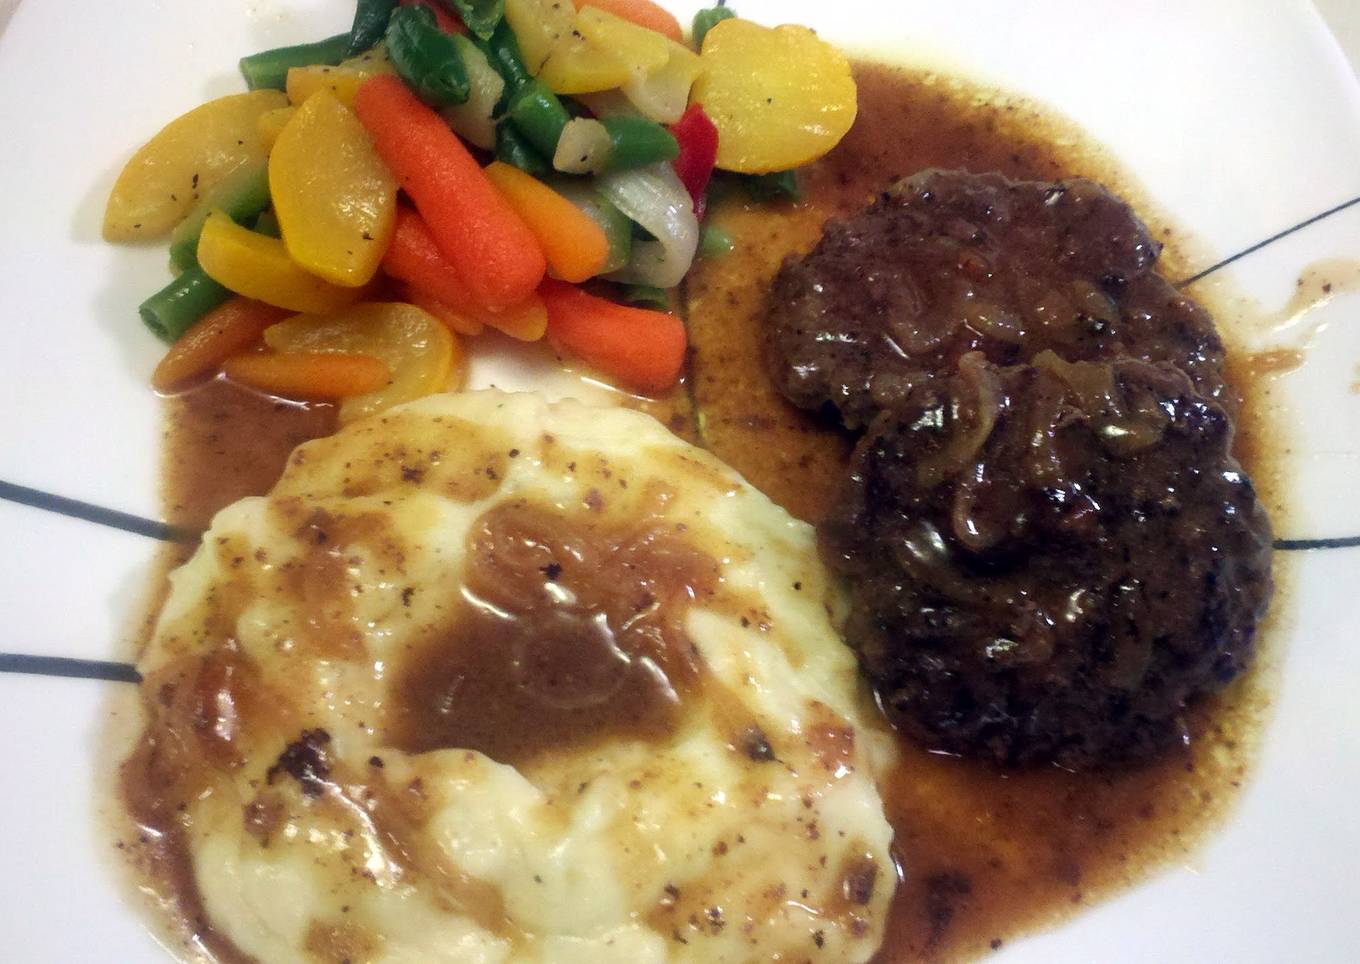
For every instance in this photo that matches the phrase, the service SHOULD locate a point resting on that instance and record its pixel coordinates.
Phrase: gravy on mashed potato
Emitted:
(487, 679)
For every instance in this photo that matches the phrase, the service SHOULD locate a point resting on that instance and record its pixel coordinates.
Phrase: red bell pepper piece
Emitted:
(447, 21)
(698, 140)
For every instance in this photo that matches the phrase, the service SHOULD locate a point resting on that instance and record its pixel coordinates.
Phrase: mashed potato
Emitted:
(485, 679)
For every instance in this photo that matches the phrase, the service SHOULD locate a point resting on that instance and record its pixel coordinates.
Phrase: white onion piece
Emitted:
(472, 120)
(654, 198)
(583, 148)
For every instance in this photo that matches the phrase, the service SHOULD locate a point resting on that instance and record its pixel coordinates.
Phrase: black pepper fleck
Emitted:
(305, 761)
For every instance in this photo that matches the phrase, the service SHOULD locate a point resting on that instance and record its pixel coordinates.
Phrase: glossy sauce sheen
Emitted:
(569, 634)
(985, 854)
(200, 705)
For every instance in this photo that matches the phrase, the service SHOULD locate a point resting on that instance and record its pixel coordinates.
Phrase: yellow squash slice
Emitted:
(342, 80)
(422, 355)
(335, 199)
(780, 97)
(189, 156)
(259, 267)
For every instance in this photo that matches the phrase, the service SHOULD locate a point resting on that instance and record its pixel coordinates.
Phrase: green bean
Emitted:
(268, 224)
(714, 242)
(618, 230)
(706, 20)
(243, 195)
(647, 296)
(172, 310)
(512, 147)
(637, 142)
(426, 57)
(779, 186)
(370, 23)
(269, 68)
(502, 49)
(539, 115)
(481, 17)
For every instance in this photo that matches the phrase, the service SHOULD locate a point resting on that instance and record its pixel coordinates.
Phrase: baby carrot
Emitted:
(227, 330)
(450, 317)
(643, 349)
(574, 244)
(526, 321)
(644, 13)
(489, 245)
(317, 376)
(412, 257)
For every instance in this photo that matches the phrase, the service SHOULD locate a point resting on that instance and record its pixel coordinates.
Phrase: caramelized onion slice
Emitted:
(973, 411)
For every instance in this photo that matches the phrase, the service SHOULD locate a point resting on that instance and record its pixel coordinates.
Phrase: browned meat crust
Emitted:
(947, 262)
(1051, 548)
(1050, 560)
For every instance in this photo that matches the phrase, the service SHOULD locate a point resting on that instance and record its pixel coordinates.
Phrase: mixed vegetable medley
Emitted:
(541, 167)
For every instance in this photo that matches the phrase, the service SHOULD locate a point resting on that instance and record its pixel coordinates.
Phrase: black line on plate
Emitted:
(1270, 240)
(69, 668)
(1295, 545)
(88, 512)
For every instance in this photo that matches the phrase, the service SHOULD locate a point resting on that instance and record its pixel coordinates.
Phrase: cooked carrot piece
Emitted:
(227, 330)
(494, 252)
(458, 322)
(414, 258)
(526, 321)
(572, 241)
(644, 13)
(644, 350)
(315, 376)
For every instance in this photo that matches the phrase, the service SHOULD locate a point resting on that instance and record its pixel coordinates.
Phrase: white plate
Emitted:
(1241, 117)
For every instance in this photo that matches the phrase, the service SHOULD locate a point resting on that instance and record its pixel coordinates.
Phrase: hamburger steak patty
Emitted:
(1050, 546)
(1048, 560)
(947, 262)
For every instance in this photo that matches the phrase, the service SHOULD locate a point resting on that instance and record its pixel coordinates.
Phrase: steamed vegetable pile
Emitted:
(535, 166)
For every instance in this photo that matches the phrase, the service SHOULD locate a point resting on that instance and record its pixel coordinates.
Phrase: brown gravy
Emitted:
(199, 704)
(985, 854)
(569, 633)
